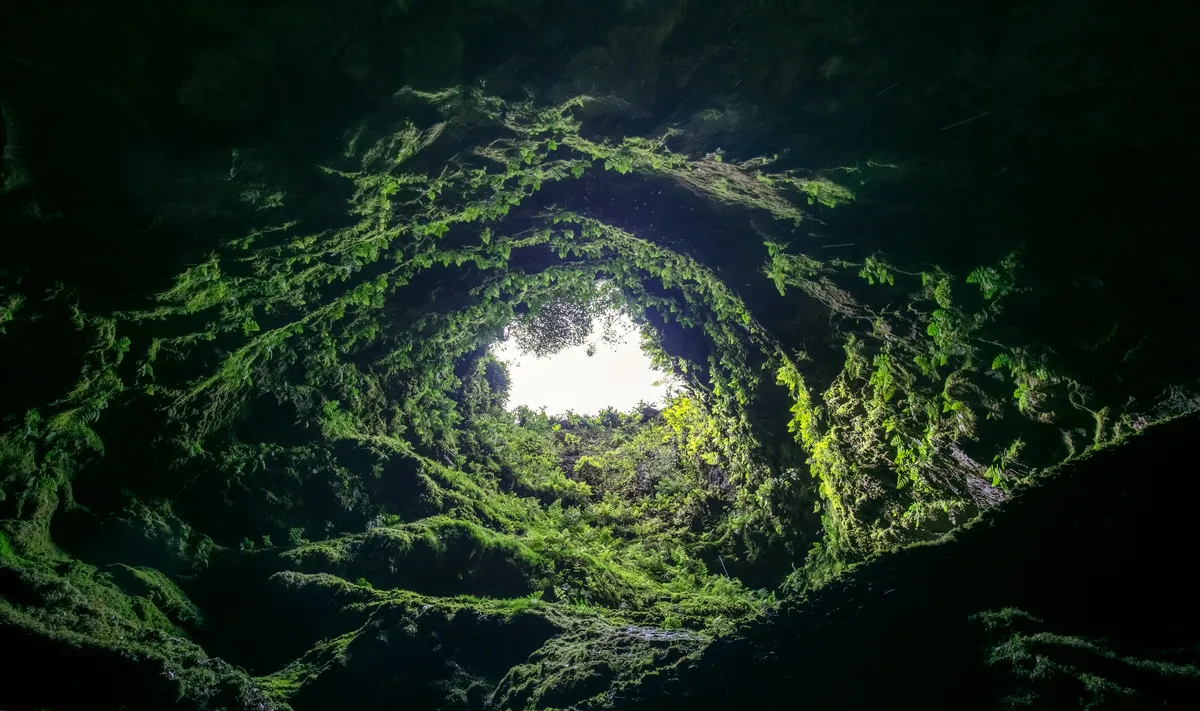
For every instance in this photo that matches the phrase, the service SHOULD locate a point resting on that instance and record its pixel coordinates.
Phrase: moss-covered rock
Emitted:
(433, 556)
(588, 663)
(1042, 603)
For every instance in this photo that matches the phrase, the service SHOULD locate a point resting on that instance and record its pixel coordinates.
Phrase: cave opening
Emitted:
(608, 373)
(580, 350)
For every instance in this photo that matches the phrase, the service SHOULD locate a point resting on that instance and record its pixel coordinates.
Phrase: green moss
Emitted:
(6, 549)
(439, 554)
(78, 610)
(588, 664)
(397, 625)
(163, 593)
(9, 307)
(286, 683)
(1044, 669)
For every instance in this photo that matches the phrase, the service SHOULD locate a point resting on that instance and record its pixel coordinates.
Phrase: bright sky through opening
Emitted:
(618, 376)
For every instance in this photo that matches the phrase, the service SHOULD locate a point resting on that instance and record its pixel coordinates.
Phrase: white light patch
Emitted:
(618, 376)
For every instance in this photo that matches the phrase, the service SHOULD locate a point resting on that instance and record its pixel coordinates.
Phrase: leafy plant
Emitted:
(1003, 462)
(997, 281)
(876, 271)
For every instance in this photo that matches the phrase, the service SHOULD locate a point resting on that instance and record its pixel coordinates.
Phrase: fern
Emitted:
(995, 283)
(881, 378)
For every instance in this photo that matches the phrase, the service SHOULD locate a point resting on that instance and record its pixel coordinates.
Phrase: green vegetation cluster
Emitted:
(313, 404)
(1059, 671)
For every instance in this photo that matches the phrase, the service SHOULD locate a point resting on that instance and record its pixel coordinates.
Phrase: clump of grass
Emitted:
(6, 549)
